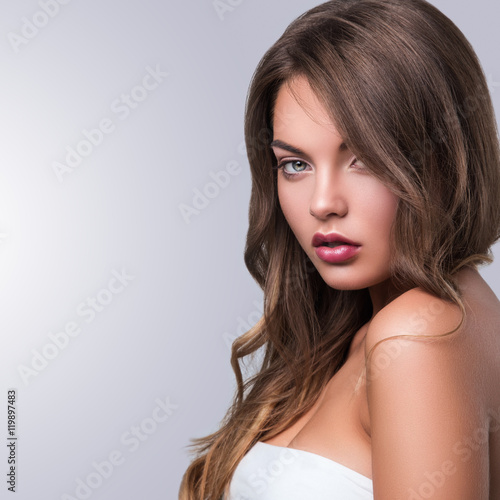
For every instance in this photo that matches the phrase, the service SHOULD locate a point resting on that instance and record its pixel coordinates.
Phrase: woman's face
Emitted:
(324, 189)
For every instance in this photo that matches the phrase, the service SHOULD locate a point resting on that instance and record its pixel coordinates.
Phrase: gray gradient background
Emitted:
(167, 334)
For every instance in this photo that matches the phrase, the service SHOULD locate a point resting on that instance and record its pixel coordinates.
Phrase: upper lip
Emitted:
(320, 239)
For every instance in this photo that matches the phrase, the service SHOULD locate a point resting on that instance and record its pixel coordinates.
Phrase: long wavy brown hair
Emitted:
(407, 92)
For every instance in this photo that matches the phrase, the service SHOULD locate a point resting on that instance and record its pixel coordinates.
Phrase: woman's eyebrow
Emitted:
(283, 145)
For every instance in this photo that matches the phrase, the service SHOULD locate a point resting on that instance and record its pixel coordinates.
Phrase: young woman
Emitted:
(376, 194)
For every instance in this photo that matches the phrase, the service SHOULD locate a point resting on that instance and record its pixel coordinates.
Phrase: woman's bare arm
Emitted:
(424, 404)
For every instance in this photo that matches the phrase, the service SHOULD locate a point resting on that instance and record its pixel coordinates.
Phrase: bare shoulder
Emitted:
(414, 313)
(425, 395)
(420, 314)
(420, 337)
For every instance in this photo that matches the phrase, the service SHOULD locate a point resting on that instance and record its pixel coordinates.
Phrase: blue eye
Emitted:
(295, 166)
(291, 168)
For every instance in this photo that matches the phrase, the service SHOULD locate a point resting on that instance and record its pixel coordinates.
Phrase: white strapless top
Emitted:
(269, 472)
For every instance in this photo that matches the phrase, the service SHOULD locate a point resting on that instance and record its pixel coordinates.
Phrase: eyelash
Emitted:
(280, 166)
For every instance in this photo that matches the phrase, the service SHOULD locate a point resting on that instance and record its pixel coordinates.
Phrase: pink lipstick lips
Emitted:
(334, 248)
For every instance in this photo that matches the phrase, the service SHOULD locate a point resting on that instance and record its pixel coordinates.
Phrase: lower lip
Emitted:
(337, 254)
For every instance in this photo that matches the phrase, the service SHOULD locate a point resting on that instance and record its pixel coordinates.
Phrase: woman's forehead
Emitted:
(296, 103)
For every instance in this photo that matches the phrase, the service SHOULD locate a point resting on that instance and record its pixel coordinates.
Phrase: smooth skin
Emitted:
(423, 421)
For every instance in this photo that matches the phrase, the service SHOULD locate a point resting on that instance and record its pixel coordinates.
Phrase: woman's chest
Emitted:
(337, 426)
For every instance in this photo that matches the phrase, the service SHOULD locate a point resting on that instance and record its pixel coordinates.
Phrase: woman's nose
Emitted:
(328, 197)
